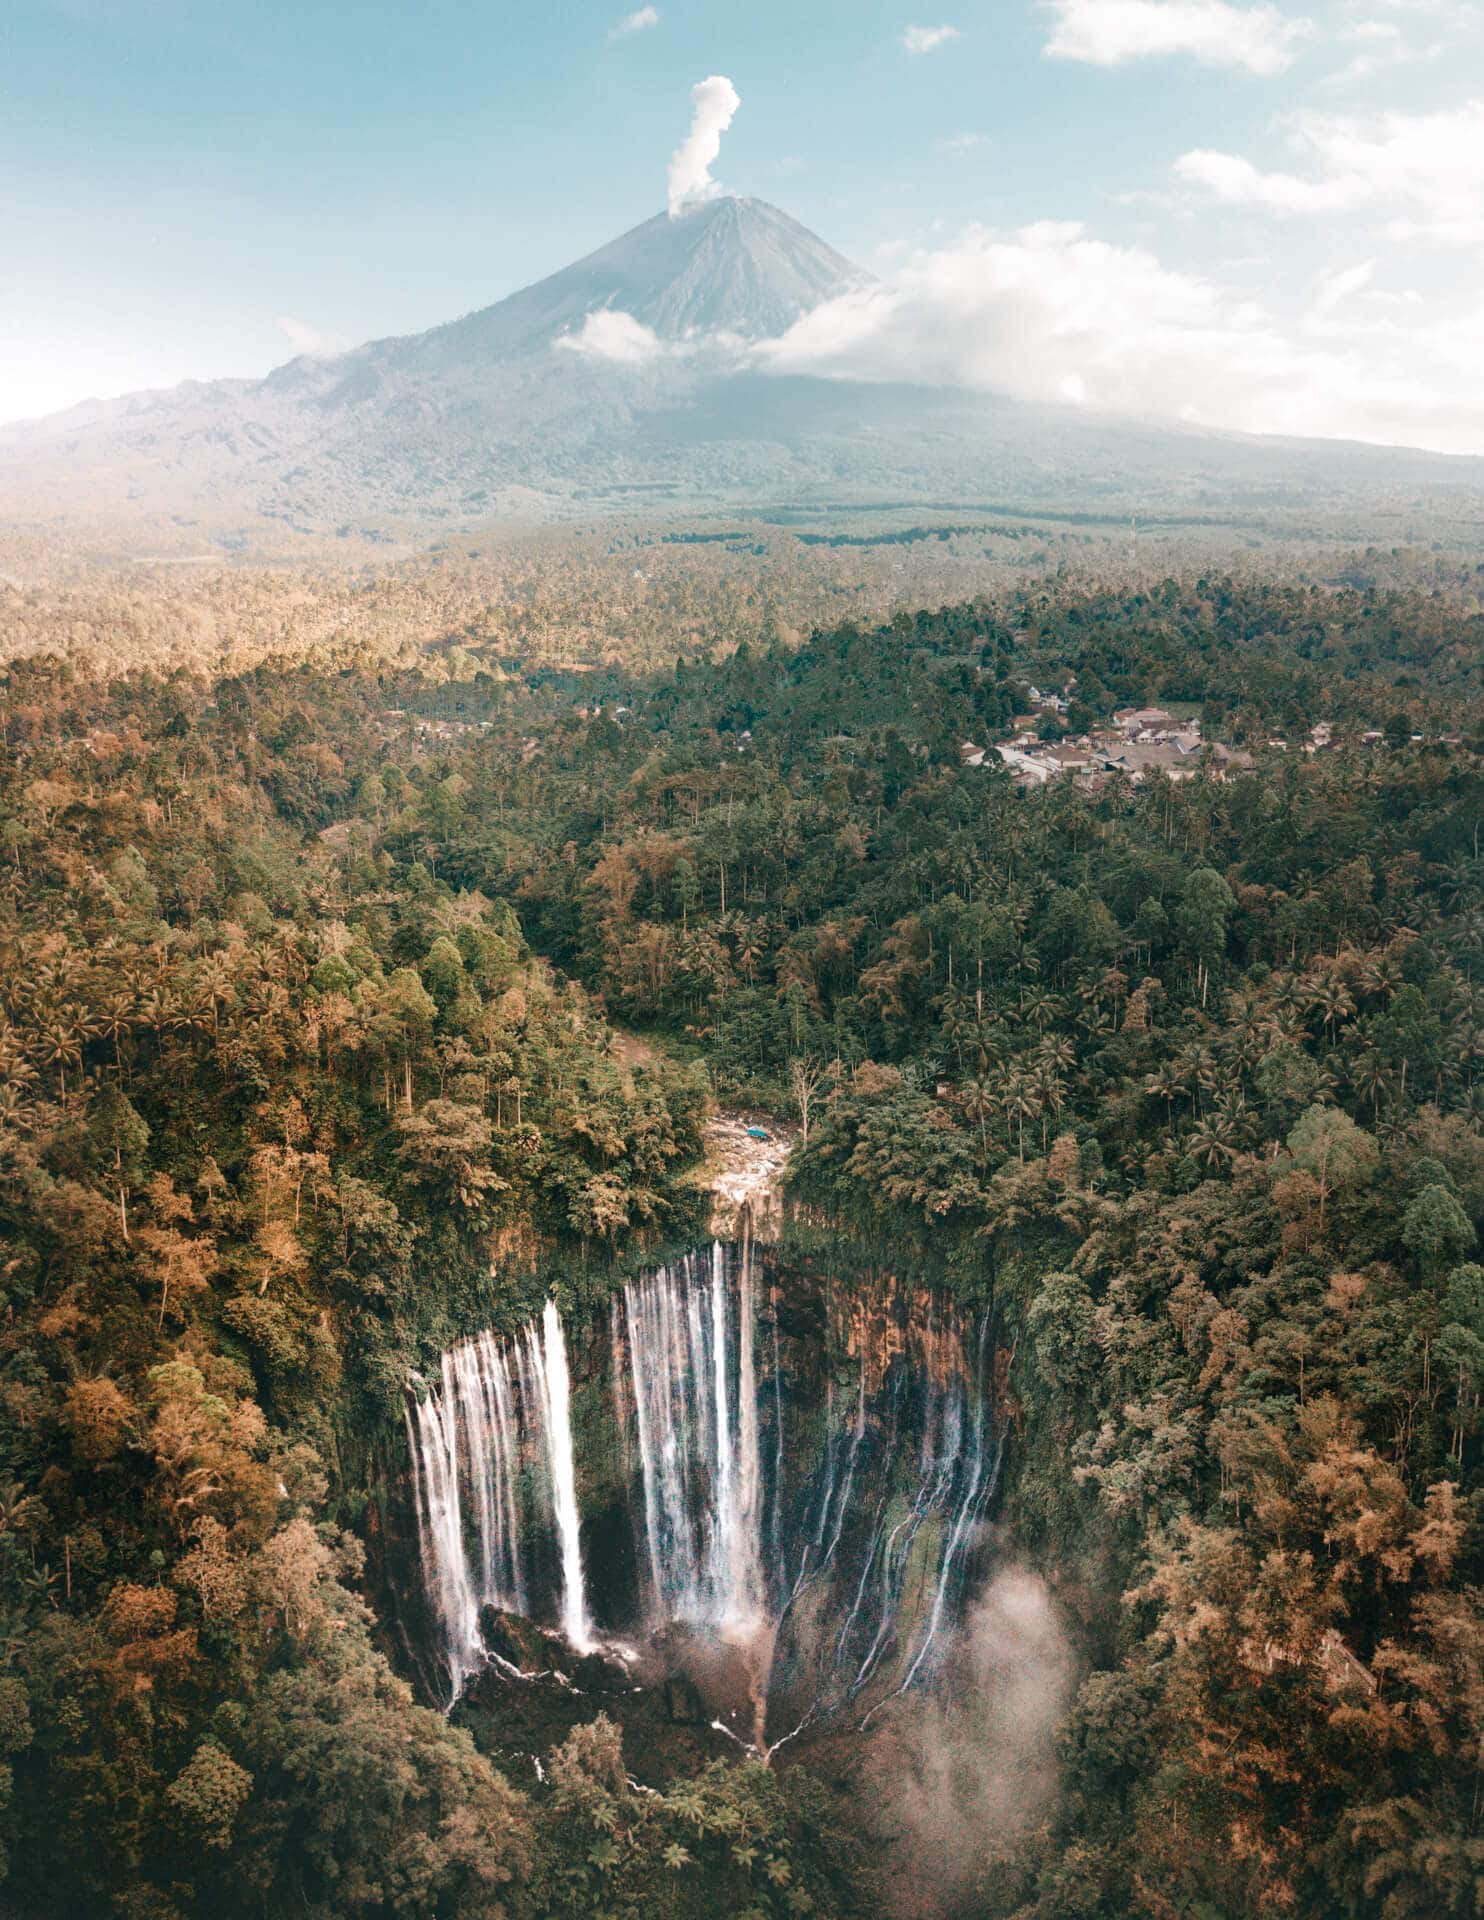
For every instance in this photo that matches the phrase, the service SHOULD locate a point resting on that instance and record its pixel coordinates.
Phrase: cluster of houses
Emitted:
(428, 728)
(1141, 741)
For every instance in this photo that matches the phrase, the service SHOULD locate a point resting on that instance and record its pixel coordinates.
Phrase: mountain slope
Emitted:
(728, 266)
(491, 414)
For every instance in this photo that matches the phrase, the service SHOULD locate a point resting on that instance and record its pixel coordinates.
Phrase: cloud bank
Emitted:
(316, 342)
(615, 336)
(1108, 33)
(714, 103)
(1049, 313)
(1424, 170)
(964, 1775)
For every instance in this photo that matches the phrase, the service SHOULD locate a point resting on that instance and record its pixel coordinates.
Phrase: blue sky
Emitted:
(194, 189)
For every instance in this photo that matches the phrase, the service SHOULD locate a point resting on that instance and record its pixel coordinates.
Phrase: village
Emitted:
(1142, 741)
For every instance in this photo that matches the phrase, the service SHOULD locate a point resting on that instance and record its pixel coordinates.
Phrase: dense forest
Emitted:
(307, 1069)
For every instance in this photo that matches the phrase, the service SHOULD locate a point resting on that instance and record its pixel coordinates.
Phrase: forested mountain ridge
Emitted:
(1184, 1078)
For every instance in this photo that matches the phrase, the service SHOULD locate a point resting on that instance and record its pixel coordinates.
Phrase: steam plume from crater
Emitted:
(714, 101)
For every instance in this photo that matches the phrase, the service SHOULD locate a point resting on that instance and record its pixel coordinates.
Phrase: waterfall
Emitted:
(693, 1378)
(493, 1474)
(557, 1398)
(481, 1392)
(967, 1491)
(433, 1445)
(842, 1549)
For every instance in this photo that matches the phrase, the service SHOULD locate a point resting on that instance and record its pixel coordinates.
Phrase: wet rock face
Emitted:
(668, 1728)
(684, 1706)
(511, 1638)
(783, 1489)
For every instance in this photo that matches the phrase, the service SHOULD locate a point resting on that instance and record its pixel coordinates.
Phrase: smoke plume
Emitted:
(971, 1771)
(714, 101)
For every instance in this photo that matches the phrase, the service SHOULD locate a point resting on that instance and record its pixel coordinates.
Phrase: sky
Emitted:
(1267, 216)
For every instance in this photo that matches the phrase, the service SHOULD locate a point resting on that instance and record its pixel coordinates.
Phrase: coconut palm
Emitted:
(1210, 1142)
(1166, 1083)
(1333, 1001)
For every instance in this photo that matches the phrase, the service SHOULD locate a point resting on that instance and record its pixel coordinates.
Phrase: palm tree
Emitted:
(60, 1046)
(1041, 1008)
(1285, 993)
(751, 938)
(1467, 937)
(115, 1017)
(1468, 1051)
(1325, 1081)
(1230, 1115)
(1049, 1090)
(1198, 1070)
(1166, 1084)
(1210, 1142)
(20, 1512)
(154, 1009)
(16, 1070)
(979, 1099)
(214, 980)
(1018, 1101)
(1333, 999)
(1381, 975)
(1368, 1076)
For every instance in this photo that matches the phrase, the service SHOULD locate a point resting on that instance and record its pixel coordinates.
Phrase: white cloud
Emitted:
(927, 39)
(1425, 170)
(714, 103)
(638, 22)
(1228, 177)
(610, 334)
(1107, 33)
(961, 142)
(1049, 313)
(1334, 290)
(1380, 47)
(317, 342)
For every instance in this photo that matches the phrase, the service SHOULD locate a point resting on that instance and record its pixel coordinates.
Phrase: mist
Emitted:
(968, 1772)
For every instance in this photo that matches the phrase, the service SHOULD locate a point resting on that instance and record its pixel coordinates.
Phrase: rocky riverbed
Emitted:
(745, 1175)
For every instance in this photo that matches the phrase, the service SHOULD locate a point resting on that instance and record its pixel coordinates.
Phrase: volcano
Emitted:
(730, 267)
(626, 379)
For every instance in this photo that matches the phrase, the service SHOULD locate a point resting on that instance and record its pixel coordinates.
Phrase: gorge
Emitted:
(739, 1454)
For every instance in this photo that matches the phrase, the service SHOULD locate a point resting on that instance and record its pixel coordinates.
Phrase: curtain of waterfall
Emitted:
(849, 1538)
(493, 1469)
(693, 1378)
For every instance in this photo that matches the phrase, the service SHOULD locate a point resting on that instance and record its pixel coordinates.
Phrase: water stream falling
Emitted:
(494, 1479)
(816, 1494)
(690, 1353)
(557, 1391)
